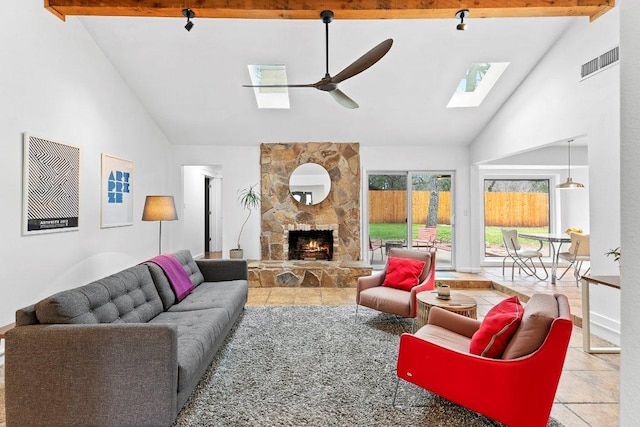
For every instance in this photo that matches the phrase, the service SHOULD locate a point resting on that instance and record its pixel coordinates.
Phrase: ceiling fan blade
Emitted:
(364, 62)
(343, 99)
(305, 85)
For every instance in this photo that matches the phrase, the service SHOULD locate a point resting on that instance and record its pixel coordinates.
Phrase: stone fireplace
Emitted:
(327, 252)
(339, 212)
(310, 245)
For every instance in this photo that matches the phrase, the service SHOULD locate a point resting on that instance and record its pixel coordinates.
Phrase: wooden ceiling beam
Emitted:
(343, 9)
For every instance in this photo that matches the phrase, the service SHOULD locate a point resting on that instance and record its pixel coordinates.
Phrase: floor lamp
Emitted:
(159, 208)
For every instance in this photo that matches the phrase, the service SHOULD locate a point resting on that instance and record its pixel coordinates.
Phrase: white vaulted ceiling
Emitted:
(191, 82)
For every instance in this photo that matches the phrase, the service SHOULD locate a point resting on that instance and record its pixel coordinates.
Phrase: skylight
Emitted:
(270, 97)
(476, 84)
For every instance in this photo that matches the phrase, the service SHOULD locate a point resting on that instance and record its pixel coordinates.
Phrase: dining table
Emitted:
(555, 241)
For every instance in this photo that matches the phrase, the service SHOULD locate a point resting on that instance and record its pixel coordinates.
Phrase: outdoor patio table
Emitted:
(552, 238)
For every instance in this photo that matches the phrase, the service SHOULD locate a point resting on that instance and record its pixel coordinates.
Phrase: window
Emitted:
(515, 203)
(476, 84)
(270, 97)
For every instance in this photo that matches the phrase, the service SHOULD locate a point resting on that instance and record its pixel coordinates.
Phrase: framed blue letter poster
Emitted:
(117, 192)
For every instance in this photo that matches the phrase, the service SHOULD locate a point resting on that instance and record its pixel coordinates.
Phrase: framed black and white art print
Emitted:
(51, 186)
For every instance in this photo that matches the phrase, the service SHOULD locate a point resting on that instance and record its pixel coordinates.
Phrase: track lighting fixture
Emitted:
(461, 14)
(189, 14)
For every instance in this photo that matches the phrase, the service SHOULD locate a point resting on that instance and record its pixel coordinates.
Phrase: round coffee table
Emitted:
(460, 304)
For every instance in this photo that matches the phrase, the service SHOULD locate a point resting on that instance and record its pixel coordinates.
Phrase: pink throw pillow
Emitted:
(497, 328)
(403, 273)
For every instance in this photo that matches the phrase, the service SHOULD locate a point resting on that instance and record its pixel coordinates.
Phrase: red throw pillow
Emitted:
(497, 328)
(403, 273)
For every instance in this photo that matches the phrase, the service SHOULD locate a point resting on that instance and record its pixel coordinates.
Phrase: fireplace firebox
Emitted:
(311, 245)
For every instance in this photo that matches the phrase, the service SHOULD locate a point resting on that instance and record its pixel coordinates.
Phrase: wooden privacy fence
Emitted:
(501, 209)
(516, 209)
(391, 206)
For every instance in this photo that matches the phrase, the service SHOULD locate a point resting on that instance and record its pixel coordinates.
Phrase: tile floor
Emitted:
(588, 393)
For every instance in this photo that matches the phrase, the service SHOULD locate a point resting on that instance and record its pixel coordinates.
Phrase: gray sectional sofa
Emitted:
(120, 351)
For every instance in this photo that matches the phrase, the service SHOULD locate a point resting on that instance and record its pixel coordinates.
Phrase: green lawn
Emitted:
(493, 235)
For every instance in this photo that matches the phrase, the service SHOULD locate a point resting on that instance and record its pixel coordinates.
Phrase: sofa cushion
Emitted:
(497, 328)
(386, 299)
(162, 285)
(444, 337)
(230, 295)
(127, 296)
(198, 333)
(539, 313)
(176, 275)
(403, 273)
(190, 266)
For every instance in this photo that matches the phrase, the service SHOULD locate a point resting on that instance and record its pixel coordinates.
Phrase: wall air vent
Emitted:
(600, 63)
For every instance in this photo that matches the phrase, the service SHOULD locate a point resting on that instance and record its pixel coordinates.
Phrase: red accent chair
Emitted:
(370, 292)
(517, 390)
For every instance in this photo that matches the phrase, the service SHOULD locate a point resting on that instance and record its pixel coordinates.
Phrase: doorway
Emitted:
(202, 209)
(412, 210)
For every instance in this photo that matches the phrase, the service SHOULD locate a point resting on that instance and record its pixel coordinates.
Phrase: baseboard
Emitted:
(474, 270)
(606, 328)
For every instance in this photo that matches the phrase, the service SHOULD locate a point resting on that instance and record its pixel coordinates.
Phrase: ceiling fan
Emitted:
(330, 84)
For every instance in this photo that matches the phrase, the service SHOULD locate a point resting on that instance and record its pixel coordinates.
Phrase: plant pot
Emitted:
(236, 253)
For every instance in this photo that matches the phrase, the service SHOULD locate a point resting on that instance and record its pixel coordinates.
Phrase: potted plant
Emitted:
(249, 199)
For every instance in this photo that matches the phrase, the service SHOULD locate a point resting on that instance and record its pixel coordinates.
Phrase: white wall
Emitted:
(630, 201)
(553, 105)
(240, 167)
(193, 209)
(55, 83)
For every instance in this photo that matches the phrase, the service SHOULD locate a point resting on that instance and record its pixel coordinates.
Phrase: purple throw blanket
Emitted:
(178, 278)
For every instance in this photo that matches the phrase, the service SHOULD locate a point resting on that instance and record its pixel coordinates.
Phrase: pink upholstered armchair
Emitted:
(370, 292)
(517, 389)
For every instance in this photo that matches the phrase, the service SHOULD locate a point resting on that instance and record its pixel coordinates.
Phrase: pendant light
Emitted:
(569, 184)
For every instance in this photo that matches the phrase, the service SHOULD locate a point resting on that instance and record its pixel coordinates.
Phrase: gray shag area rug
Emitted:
(316, 366)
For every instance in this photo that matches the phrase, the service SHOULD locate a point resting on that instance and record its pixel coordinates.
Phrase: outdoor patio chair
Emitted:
(577, 254)
(375, 245)
(521, 258)
(426, 238)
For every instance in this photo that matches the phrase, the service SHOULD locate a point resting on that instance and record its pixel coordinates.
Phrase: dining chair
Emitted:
(521, 258)
(577, 254)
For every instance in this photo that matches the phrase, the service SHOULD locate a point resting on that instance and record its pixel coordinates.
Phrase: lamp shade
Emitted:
(159, 208)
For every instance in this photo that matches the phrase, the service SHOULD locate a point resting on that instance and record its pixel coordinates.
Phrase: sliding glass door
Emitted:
(419, 199)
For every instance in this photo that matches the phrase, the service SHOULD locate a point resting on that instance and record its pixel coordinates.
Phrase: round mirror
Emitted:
(309, 184)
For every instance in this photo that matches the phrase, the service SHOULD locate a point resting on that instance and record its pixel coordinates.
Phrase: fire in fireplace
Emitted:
(311, 245)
